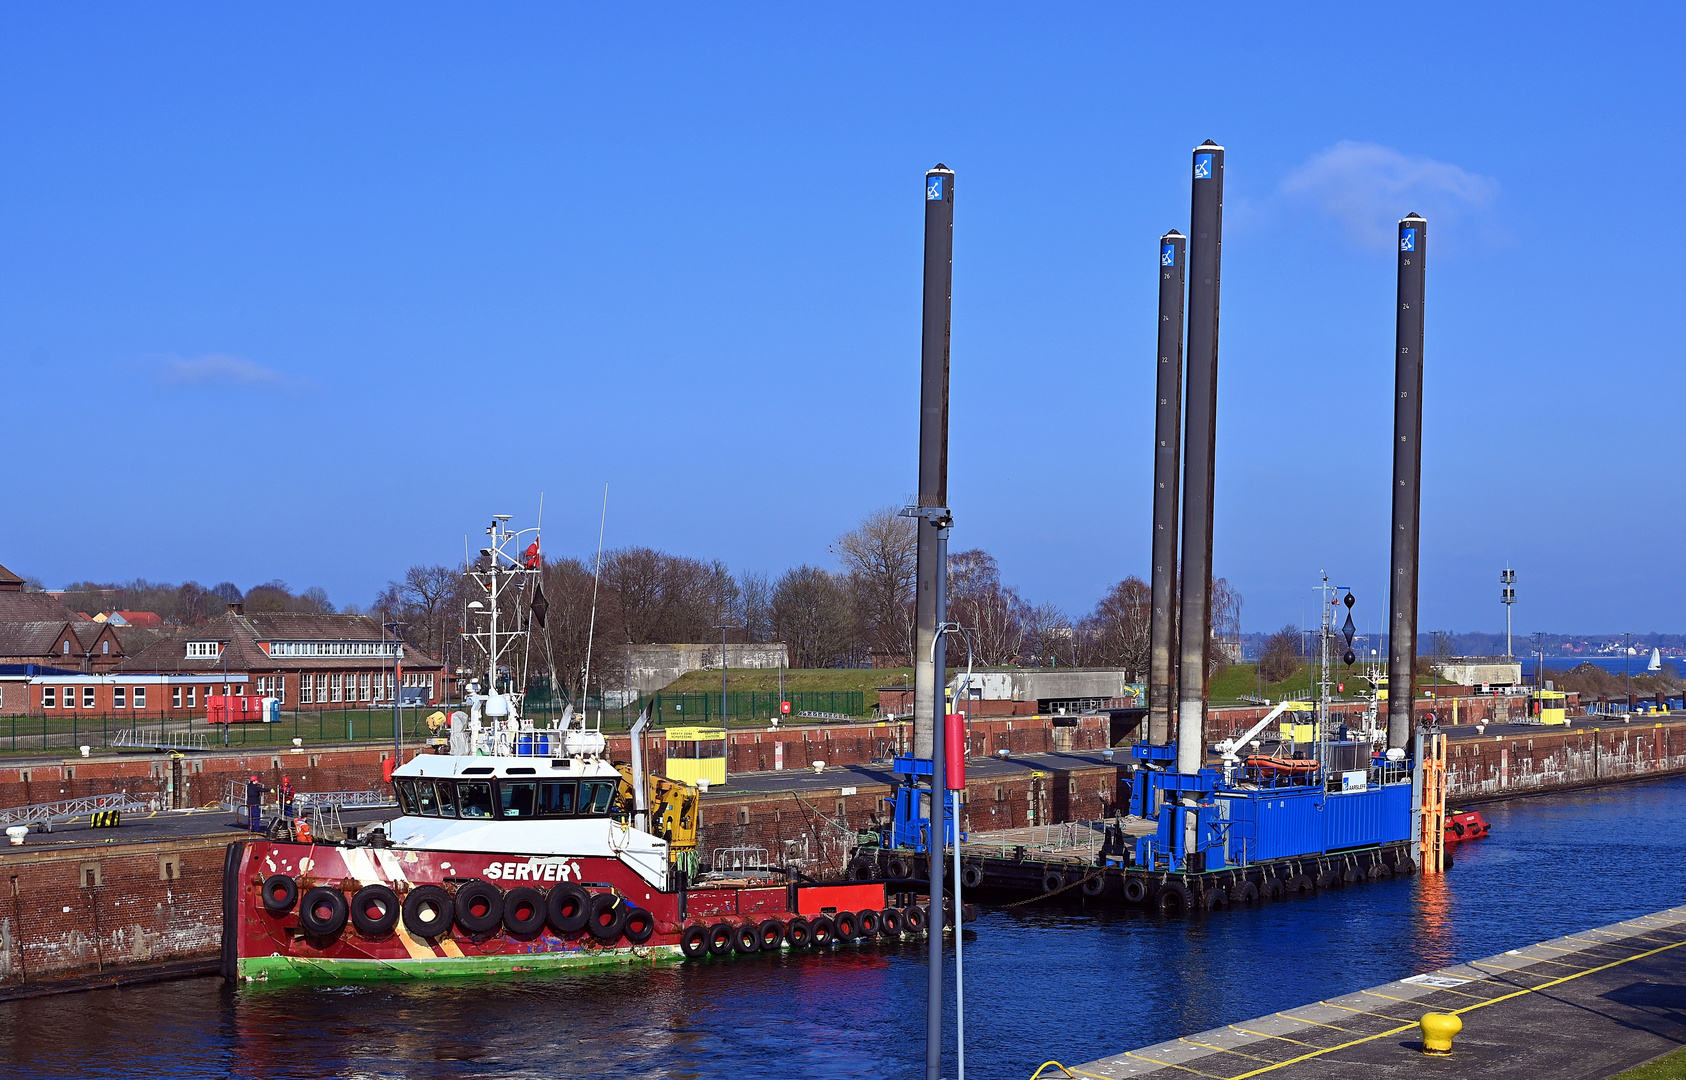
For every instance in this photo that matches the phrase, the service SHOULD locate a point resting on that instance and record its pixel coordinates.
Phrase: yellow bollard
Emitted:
(1438, 1029)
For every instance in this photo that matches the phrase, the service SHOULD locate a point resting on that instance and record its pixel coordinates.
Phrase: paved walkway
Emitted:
(1582, 1007)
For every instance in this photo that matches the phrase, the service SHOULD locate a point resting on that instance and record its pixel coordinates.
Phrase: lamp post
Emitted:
(725, 726)
(397, 731)
(1627, 674)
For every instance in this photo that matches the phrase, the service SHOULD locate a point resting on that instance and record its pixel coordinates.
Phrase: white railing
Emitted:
(69, 809)
(132, 739)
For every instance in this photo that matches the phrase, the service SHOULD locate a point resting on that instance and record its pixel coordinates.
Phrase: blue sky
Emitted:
(272, 276)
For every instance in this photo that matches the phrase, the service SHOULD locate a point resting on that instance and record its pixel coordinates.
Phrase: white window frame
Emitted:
(140, 697)
(335, 688)
(49, 697)
(307, 690)
(203, 650)
(88, 697)
(192, 692)
(119, 697)
(175, 697)
(363, 686)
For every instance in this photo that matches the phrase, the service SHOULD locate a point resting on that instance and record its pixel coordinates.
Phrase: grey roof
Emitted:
(34, 607)
(241, 651)
(29, 638)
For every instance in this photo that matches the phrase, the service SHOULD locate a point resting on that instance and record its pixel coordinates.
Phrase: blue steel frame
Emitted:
(908, 828)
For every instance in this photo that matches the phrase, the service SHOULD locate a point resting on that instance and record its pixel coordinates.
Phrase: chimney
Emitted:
(237, 609)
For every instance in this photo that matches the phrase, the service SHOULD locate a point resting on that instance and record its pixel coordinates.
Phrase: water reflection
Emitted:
(1040, 984)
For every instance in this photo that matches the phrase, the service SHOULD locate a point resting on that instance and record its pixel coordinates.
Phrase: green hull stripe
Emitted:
(325, 970)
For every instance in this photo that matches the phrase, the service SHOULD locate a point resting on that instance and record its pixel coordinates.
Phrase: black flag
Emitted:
(539, 605)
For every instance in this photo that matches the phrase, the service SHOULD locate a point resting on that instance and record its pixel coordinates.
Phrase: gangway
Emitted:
(45, 815)
(161, 740)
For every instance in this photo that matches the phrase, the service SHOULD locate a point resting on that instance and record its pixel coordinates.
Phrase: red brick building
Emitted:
(36, 628)
(305, 660)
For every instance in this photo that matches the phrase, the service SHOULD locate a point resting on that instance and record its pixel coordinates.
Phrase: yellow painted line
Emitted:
(1468, 1008)
(449, 947)
(1172, 1065)
(1267, 1035)
(1221, 1049)
(1319, 1023)
(1361, 1012)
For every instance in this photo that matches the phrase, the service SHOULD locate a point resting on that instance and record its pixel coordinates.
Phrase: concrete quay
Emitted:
(1581, 1007)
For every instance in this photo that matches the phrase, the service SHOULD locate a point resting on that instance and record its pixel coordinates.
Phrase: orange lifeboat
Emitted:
(1464, 825)
(1286, 766)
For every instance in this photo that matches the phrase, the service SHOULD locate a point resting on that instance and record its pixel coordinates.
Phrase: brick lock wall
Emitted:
(1489, 767)
(89, 909)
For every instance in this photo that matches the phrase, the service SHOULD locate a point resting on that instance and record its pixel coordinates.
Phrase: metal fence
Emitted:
(329, 726)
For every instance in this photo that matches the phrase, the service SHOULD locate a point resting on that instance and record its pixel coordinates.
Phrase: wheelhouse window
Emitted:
(447, 798)
(406, 795)
(474, 799)
(595, 795)
(517, 798)
(556, 798)
(425, 800)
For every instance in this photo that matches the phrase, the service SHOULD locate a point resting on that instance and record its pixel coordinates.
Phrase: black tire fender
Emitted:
(1270, 889)
(479, 907)
(1094, 885)
(693, 942)
(871, 924)
(1243, 892)
(322, 912)
(1299, 883)
(1174, 898)
(822, 932)
(899, 868)
(608, 918)
(848, 925)
(1213, 898)
(428, 911)
(1053, 881)
(719, 940)
(772, 934)
(375, 910)
(746, 939)
(567, 909)
(523, 911)
(797, 933)
(280, 893)
(1135, 890)
(972, 876)
(640, 925)
(915, 918)
(890, 922)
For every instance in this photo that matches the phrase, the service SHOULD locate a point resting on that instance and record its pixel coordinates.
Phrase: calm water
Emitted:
(1039, 984)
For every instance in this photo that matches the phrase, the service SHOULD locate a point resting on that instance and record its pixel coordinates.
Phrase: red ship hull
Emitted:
(331, 913)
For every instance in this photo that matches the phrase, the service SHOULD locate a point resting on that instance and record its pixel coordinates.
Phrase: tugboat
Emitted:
(520, 848)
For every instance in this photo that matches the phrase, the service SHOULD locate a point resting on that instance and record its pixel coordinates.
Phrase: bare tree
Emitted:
(1281, 655)
(1119, 629)
(993, 612)
(667, 598)
(568, 630)
(1049, 638)
(879, 557)
(754, 610)
(811, 615)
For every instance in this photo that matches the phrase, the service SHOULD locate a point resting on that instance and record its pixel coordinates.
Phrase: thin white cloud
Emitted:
(1368, 188)
(220, 369)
